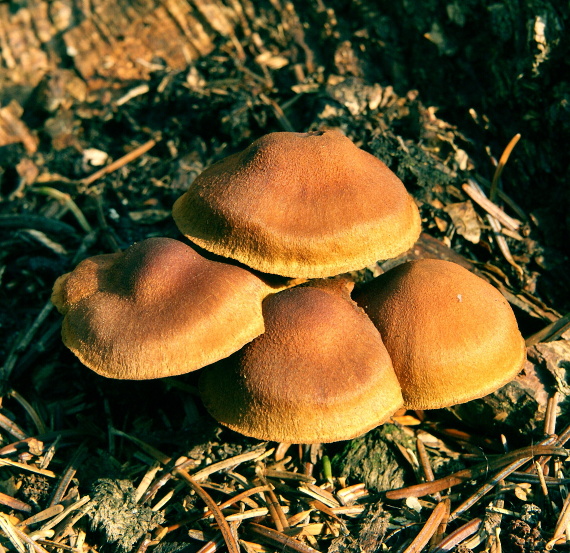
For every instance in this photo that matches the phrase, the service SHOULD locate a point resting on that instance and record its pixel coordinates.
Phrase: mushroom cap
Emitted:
(157, 309)
(451, 335)
(319, 373)
(300, 205)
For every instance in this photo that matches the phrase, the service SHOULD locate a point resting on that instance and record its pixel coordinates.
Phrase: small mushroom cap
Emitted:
(451, 335)
(158, 309)
(300, 205)
(319, 373)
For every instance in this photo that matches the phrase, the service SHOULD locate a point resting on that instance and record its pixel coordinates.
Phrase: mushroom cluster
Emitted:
(298, 362)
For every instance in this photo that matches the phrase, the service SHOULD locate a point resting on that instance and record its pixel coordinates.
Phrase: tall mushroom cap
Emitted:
(300, 205)
(451, 335)
(158, 309)
(319, 373)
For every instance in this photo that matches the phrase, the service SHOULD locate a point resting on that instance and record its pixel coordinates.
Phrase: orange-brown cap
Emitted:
(451, 335)
(300, 205)
(158, 309)
(319, 373)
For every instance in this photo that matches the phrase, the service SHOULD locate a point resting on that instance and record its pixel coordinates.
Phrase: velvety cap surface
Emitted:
(319, 373)
(300, 205)
(157, 309)
(452, 337)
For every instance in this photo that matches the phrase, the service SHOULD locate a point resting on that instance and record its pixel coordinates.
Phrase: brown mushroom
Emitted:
(319, 373)
(300, 205)
(452, 337)
(158, 309)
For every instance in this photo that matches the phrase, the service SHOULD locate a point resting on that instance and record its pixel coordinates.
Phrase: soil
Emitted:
(109, 110)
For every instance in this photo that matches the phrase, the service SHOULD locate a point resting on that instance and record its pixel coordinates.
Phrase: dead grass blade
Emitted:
(561, 524)
(456, 537)
(231, 462)
(121, 162)
(501, 165)
(487, 487)
(429, 529)
(231, 542)
(459, 477)
(285, 543)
